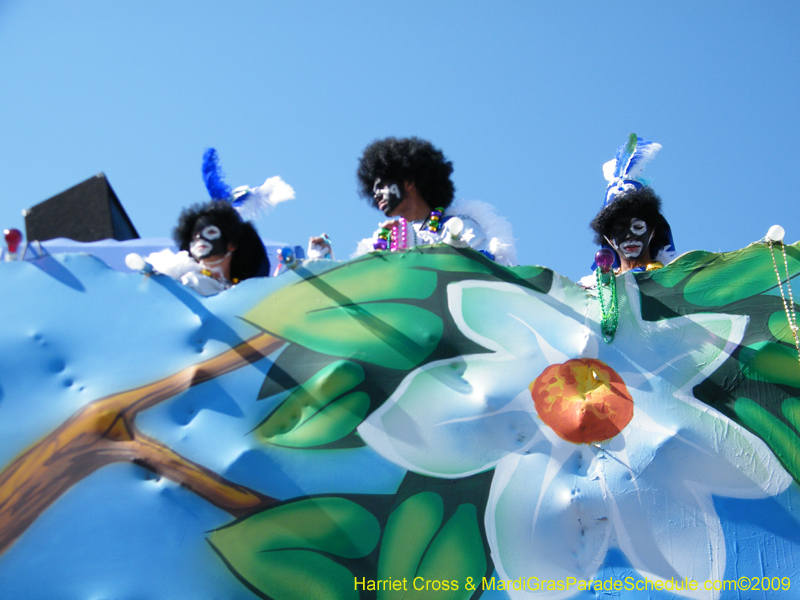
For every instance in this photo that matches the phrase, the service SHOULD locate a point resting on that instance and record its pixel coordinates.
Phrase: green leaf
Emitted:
(456, 553)
(407, 535)
(316, 413)
(779, 436)
(283, 552)
(791, 410)
(678, 270)
(331, 423)
(738, 275)
(456, 261)
(357, 311)
(299, 575)
(416, 547)
(779, 326)
(527, 271)
(772, 362)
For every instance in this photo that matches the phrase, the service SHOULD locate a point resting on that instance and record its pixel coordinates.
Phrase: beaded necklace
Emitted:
(434, 221)
(609, 309)
(399, 236)
(393, 239)
(396, 238)
(609, 312)
(776, 234)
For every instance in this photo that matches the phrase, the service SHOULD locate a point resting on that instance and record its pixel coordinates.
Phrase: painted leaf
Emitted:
(317, 412)
(773, 362)
(357, 311)
(417, 547)
(779, 327)
(455, 554)
(737, 275)
(407, 535)
(331, 423)
(780, 437)
(687, 264)
(296, 542)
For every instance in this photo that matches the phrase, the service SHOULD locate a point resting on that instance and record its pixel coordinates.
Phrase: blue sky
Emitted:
(527, 98)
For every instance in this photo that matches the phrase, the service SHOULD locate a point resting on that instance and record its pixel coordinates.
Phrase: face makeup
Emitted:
(387, 195)
(631, 242)
(207, 240)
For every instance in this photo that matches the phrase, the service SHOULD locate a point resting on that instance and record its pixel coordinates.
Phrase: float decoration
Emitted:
(422, 414)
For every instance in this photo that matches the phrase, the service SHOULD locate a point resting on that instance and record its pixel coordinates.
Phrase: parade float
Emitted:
(424, 423)
(418, 422)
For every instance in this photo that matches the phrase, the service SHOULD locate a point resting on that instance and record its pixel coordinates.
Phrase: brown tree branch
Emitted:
(104, 432)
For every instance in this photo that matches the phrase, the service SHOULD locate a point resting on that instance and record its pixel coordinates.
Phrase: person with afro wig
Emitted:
(630, 224)
(219, 246)
(217, 249)
(635, 228)
(224, 244)
(408, 180)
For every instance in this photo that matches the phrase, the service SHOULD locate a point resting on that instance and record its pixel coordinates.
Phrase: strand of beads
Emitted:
(775, 234)
(609, 310)
(434, 221)
(382, 243)
(399, 235)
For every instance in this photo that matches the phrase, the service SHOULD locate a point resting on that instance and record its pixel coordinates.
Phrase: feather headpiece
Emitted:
(250, 202)
(624, 170)
(623, 173)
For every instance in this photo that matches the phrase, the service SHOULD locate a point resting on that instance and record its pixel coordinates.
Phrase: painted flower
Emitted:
(594, 445)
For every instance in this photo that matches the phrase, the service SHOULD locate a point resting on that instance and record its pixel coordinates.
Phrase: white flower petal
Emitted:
(718, 456)
(682, 350)
(546, 519)
(673, 535)
(511, 319)
(454, 418)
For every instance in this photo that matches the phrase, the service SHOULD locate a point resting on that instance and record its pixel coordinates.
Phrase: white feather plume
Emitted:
(261, 199)
(497, 229)
(608, 169)
(644, 154)
(645, 151)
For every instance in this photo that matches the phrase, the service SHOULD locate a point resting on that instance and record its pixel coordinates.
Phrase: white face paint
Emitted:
(211, 232)
(631, 243)
(200, 248)
(387, 196)
(638, 227)
(203, 243)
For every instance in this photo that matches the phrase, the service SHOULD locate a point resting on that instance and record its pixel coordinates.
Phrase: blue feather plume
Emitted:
(214, 177)
(633, 155)
(625, 154)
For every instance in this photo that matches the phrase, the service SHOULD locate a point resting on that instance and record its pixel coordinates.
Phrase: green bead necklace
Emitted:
(609, 310)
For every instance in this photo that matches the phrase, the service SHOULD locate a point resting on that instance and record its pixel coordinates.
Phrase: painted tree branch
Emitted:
(104, 432)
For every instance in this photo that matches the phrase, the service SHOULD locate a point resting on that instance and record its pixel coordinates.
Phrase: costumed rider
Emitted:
(408, 179)
(219, 247)
(633, 233)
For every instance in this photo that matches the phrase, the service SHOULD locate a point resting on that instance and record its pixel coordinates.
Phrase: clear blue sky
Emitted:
(527, 98)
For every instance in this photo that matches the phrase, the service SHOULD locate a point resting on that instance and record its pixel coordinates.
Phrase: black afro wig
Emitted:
(249, 259)
(615, 218)
(409, 160)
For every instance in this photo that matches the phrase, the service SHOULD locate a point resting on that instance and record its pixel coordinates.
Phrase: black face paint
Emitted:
(207, 240)
(633, 240)
(388, 195)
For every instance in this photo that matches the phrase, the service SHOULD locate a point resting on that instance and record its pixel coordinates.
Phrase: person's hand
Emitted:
(320, 246)
(391, 223)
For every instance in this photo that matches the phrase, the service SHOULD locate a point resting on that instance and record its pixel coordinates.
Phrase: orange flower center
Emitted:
(583, 400)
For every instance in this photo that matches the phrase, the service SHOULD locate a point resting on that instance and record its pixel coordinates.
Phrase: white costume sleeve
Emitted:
(203, 284)
(184, 268)
(485, 230)
(365, 246)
